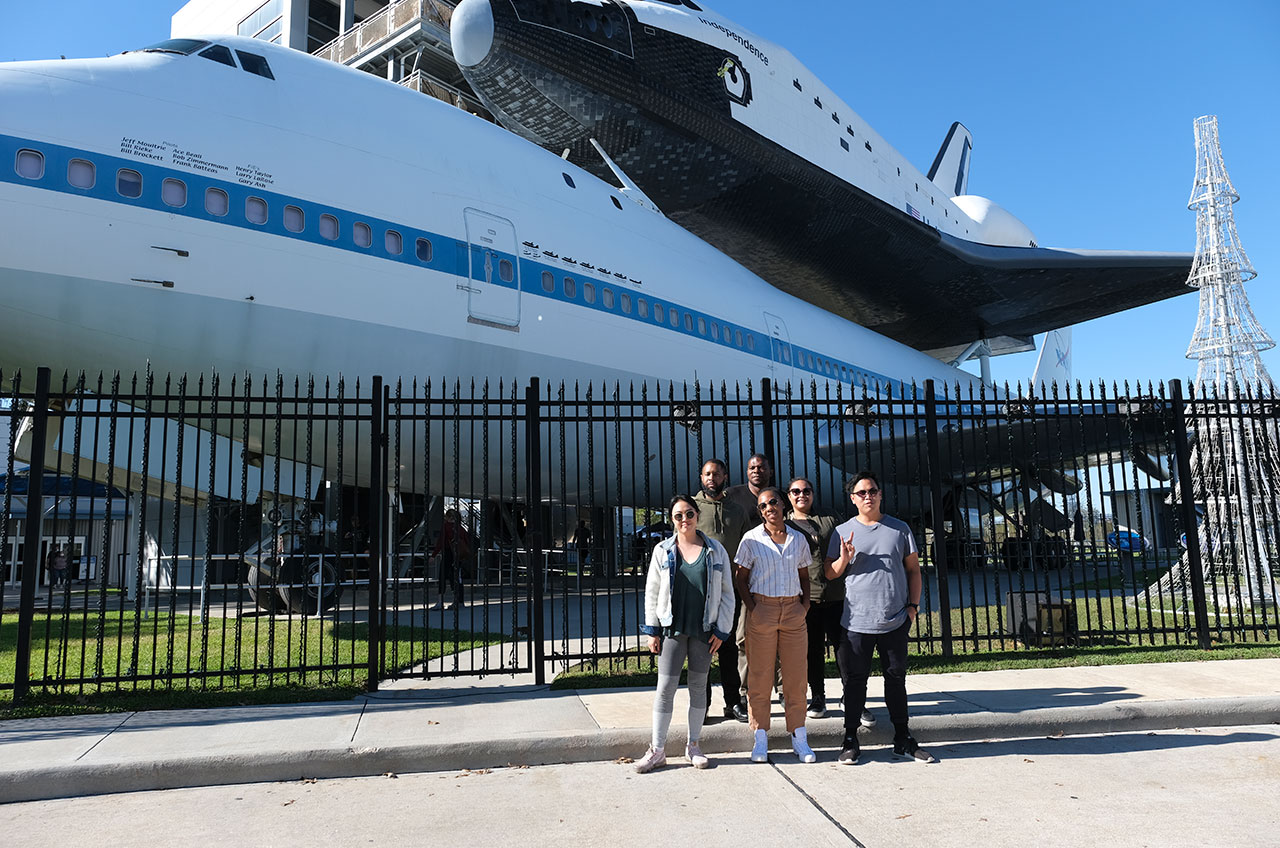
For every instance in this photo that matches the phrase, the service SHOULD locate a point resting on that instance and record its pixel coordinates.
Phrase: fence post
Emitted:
(935, 497)
(31, 564)
(377, 527)
(767, 419)
(533, 528)
(1187, 498)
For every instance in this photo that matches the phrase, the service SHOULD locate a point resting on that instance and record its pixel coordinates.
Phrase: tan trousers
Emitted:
(776, 633)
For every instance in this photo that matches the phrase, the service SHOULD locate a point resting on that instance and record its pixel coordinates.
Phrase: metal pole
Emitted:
(1187, 498)
(533, 534)
(378, 404)
(935, 495)
(34, 532)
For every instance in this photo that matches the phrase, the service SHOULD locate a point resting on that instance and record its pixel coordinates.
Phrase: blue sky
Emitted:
(1081, 114)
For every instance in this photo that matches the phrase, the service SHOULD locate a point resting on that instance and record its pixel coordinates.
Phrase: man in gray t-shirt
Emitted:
(876, 557)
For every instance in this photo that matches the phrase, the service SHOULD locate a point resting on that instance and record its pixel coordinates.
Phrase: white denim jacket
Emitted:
(717, 616)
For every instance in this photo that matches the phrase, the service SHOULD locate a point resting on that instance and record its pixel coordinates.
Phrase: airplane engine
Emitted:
(995, 225)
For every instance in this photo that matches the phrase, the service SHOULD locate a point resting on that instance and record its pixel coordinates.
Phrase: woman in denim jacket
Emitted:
(688, 612)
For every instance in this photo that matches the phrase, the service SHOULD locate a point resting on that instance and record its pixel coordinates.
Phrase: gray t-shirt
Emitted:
(875, 583)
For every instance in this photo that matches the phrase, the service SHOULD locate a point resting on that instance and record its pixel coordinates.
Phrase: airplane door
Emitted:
(781, 367)
(494, 264)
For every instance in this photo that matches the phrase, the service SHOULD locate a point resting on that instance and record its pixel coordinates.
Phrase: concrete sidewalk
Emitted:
(414, 726)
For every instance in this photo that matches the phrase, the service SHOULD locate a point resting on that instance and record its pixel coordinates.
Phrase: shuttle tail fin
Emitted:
(1054, 364)
(950, 171)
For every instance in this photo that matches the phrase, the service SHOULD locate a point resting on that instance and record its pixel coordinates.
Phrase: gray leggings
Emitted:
(670, 661)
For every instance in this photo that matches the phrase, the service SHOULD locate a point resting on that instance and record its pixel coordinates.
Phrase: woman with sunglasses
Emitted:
(773, 581)
(688, 612)
(825, 597)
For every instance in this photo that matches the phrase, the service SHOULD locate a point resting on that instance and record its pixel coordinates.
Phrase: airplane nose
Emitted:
(471, 32)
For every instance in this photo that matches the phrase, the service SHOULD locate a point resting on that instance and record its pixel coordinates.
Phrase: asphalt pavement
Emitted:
(447, 724)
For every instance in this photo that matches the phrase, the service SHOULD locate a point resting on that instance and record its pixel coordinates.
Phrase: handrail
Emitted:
(384, 23)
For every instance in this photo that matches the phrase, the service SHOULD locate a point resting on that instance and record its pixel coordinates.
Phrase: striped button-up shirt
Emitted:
(774, 573)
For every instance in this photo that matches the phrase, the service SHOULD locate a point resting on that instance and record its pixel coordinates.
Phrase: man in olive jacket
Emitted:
(723, 520)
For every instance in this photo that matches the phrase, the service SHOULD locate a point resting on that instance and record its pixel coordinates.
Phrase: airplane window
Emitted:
(184, 46)
(568, 180)
(751, 342)
(588, 293)
(786, 354)
(218, 53)
(715, 331)
(835, 116)
(867, 145)
(702, 325)
(642, 307)
(215, 202)
(294, 219)
(844, 143)
(849, 129)
(128, 183)
(615, 201)
(797, 84)
(506, 270)
(422, 249)
(570, 287)
(737, 338)
(606, 297)
(255, 64)
(659, 313)
(675, 317)
(362, 234)
(174, 193)
(393, 243)
(81, 173)
(817, 101)
(329, 227)
(548, 282)
(688, 322)
(30, 164)
(626, 303)
(255, 209)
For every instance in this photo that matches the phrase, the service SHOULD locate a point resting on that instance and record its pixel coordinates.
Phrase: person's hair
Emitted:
(678, 498)
(858, 478)
(782, 498)
(724, 469)
(759, 456)
(794, 479)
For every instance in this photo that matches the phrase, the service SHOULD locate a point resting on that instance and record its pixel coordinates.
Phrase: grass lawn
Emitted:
(197, 662)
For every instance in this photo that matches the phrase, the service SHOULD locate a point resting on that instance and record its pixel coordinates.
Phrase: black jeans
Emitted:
(730, 682)
(853, 654)
(823, 622)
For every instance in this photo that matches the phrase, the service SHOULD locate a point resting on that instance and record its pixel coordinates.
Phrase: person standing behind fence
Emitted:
(57, 567)
(723, 520)
(876, 557)
(453, 546)
(688, 613)
(826, 598)
(773, 580)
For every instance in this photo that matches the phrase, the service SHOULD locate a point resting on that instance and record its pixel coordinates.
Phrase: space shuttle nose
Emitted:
(471, 32)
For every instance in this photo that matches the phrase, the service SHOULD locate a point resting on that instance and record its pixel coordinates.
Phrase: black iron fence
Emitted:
(165, 532)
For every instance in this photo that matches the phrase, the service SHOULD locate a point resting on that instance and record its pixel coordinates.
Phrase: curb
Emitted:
(98, 778)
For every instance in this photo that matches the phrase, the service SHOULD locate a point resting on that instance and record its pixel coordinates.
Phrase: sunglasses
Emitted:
(684, 516)
(866, 493)
(766, 504)
(799, 493)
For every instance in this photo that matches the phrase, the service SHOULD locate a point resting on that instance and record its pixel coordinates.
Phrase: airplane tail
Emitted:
(950, 171)
(1054, 364)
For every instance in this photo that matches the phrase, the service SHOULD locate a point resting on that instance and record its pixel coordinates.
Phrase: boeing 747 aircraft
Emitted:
(735, 140)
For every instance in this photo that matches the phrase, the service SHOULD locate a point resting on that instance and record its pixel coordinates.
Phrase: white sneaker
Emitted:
(800, 744)
(697, 759)
(760, 751)
(438, 605)
(451, 605)
(652, 759)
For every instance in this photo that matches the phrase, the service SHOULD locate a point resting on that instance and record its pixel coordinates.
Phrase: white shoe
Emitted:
(760, 751)
(439, 604)
(697, 759)
(800, 744)
(652, 759)
(451, 605)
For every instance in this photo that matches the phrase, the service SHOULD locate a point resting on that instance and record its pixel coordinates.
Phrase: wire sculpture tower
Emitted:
(1235, 466)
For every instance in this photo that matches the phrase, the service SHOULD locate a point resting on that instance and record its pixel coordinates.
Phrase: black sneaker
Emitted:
(909, 748)
(817, 708)
(739, 711)
(867, 719)
(849, 750)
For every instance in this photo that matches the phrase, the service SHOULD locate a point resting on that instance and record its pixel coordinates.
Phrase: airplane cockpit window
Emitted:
(181, 46)
(255, 64)
(219, 53)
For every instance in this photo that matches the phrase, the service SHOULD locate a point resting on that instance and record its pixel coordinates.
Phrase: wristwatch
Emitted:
(915, 607)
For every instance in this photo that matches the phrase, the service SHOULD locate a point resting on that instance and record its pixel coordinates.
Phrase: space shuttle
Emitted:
(738, 142)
